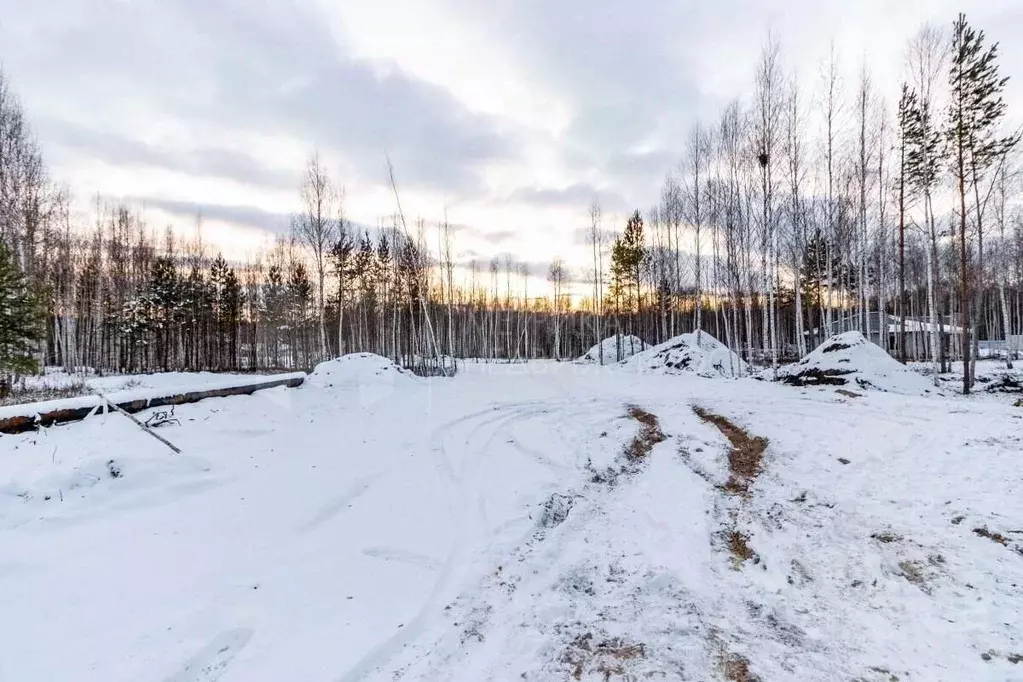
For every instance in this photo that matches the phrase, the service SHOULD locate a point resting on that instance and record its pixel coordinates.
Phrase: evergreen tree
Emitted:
(231, 316)
(627, 255)
(821, 272)
(340, 261)
(298, 298)
(22, 321)
(975, 112)
(273, 309)
(909, 127)
(217, 286)
(165, 292)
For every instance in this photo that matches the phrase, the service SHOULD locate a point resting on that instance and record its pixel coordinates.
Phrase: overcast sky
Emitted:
(512, 114)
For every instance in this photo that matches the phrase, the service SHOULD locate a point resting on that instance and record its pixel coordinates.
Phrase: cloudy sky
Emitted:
(511, 114)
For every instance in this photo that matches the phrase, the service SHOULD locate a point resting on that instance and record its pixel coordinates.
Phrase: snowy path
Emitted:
(466, 529)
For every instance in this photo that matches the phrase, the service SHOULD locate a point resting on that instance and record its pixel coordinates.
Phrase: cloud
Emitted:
(269, 69)
(513, 113)
(578, 196)
(248, 216)
(119, 150)
(497, 236)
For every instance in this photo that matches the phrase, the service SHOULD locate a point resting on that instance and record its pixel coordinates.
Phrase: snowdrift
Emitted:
(179, 390)
(849, 359)
(629, 346)
(374, 377)
(697, 352)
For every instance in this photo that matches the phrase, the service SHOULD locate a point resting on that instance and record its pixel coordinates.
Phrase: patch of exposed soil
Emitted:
(916, 573)
(606, 657)
(833, 347)
(994, 537)
(887, 537)
(555, 510)
(818, 377)
(649, 435)
(744, 462)
(1005, 384)
(739, 546)
(635, 452)
(746, 455)
(736, 669)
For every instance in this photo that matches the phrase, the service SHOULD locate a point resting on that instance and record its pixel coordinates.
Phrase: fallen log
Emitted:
(29, 417)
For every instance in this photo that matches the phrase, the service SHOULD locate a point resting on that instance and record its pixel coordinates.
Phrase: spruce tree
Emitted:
(273, 309)
(234, 298)
(166, 293)
(22, 321)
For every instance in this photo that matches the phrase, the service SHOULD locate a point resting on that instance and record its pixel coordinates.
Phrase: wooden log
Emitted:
(61, 415)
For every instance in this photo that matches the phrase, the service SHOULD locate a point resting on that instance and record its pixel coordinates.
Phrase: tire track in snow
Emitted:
(468, 519)
(212, 660)
(336, 506)
(570, 586)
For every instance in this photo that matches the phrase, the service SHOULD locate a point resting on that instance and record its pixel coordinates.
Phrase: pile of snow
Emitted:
(626, 345)
(849, 359)
(998, 379)
(697, 352)
(374, 377)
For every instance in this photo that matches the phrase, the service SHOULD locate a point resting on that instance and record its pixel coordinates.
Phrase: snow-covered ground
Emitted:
(994, 379)
(539, 521)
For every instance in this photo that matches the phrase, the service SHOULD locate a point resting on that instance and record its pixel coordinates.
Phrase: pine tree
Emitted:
(909, 133)
(340, 257)
(975, 111)
(627, 254)
(22, 321)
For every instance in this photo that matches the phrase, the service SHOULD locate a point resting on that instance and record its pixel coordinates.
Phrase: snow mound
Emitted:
(849, 359)
(629, 345)
(696, 352)
(359, 370)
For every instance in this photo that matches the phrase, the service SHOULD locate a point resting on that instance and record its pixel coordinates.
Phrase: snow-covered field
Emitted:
(539, 521)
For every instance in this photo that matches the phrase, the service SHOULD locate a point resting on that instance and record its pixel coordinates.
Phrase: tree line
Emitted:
(797, 212)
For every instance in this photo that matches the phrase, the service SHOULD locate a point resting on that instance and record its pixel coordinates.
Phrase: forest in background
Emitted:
(800, 205)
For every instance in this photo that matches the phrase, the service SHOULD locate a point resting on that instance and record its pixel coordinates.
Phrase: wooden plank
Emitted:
(31, 422)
